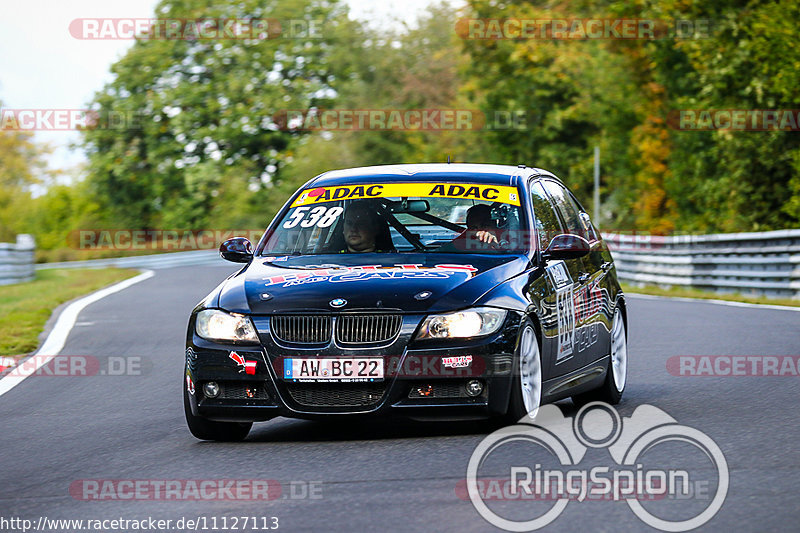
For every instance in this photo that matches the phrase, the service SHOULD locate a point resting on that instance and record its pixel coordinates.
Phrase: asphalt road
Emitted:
(367, 476)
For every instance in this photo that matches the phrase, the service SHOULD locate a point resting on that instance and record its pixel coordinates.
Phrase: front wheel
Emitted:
(526, 391)
(617, 373)
(205, 429)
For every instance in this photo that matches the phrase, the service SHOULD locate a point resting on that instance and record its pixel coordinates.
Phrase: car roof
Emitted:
(472, 172)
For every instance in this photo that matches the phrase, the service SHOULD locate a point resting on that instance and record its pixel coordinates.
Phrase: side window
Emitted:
(544, 217)
(591, 232)
(569, 209)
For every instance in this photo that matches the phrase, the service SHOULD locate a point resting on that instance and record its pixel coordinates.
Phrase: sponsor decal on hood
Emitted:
(369, 272)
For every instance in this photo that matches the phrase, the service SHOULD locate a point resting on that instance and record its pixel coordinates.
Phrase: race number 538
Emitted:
(319, 216)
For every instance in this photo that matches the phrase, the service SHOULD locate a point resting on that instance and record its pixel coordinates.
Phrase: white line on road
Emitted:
(712, 301)
(58, 336)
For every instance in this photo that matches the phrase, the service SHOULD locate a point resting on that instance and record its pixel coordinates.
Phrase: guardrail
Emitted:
(762, 263)
(16, 260)
(153, 261)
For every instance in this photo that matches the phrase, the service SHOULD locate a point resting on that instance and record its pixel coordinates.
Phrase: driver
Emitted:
(364, 230)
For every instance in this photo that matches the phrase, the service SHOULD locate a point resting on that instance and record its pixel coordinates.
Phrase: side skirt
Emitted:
(583, 379)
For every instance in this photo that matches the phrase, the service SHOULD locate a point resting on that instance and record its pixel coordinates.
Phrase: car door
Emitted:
(558, 309)
(601, 291)
(590, 338)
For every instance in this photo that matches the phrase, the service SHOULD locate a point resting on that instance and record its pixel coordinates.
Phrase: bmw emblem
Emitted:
(338, 302)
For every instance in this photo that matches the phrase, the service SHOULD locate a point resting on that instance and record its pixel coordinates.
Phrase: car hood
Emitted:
(404, 282)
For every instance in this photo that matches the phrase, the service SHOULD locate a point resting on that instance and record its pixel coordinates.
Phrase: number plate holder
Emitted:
(336, 369)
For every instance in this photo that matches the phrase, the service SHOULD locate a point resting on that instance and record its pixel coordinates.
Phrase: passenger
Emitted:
(480, 228)
(480, 225)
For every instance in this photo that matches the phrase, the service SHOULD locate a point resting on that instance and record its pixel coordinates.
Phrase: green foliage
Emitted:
(21, 168)
(199, 110)
(618, 94)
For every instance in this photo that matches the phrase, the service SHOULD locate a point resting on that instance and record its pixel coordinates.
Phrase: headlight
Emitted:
(216, 325)
(461, 324)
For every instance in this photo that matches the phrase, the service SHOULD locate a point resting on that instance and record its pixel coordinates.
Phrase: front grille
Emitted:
(301, 328)
(336, 394)
(350, 328)
(360, 329)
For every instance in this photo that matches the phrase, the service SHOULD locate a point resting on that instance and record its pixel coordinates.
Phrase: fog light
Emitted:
(474, 387)
(211, 389)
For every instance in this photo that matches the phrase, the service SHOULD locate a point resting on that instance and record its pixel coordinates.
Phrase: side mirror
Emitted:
(237, 250)
(566, 246)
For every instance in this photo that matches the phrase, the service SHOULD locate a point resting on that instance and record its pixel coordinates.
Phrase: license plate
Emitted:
(330, 369)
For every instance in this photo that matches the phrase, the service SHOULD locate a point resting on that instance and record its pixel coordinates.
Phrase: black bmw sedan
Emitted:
(433, 290)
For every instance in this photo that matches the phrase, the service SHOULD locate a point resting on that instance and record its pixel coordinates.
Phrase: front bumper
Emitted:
(411, 369)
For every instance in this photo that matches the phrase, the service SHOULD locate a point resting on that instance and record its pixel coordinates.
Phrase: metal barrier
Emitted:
(153, 261)
(16, 260)
(763, 263)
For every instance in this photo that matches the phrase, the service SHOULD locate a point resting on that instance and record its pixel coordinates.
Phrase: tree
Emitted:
(194, 110)
(22, 167)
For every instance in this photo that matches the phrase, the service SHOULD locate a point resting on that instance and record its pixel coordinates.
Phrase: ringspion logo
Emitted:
(539, 468)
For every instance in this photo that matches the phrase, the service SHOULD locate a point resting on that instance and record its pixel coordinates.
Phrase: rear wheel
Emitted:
(206, 429)
(617, 374)
(526, 391)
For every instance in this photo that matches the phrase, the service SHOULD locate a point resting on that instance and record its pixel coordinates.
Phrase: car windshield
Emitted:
(401, 217)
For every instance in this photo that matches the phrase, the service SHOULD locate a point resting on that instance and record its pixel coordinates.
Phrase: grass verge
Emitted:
(25, 307)
(684, 292)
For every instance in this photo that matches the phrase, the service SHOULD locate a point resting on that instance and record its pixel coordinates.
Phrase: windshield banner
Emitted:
(494, 193)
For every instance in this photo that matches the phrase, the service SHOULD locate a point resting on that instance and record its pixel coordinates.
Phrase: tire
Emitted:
(526, 385)
(205, 429)
(617, 373)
